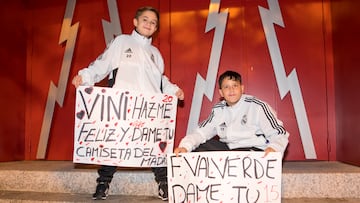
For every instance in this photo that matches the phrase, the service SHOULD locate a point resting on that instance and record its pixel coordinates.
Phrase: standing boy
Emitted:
(139, 66)
(242, 123)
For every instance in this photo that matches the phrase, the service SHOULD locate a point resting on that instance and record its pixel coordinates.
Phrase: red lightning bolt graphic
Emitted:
(57, 94)
(285, 83)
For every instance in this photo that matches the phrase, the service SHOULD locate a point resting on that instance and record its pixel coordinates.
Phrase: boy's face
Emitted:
(146, 24)
(231, 90)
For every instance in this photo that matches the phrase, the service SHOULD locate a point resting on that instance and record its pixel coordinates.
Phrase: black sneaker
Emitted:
(163, 190)
(102, 190)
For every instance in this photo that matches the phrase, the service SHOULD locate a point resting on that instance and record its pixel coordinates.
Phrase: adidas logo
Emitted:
(128, 51)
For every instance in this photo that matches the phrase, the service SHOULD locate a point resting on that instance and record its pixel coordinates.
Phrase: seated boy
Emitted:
(242, 123)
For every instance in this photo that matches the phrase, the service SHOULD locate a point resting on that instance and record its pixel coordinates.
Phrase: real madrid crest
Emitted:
(244, 120)
(152, 58)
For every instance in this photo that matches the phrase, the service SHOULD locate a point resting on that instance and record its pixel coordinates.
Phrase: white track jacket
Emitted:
(140, 65)
(249, 123)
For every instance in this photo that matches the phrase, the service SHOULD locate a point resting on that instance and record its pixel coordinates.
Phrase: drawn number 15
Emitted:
(271, 193)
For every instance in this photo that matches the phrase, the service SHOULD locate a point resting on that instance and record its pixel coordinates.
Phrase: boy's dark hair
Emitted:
(232, 75)
(147, 8)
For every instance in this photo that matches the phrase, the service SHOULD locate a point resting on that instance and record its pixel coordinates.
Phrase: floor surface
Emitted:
(27, 197)
(31, 197)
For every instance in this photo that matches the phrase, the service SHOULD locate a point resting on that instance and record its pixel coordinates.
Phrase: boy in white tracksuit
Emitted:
(140, 64)
(242, 123)
(134, 64)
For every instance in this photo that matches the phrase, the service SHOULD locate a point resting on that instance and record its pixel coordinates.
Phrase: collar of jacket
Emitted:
(143, 40)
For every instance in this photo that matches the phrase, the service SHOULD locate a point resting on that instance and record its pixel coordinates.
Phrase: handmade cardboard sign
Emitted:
(224, 177)
(123, 128)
